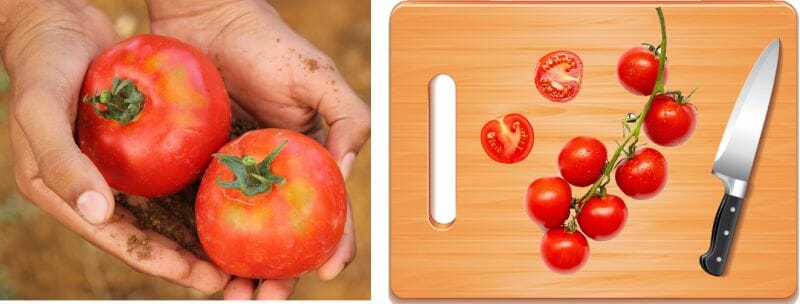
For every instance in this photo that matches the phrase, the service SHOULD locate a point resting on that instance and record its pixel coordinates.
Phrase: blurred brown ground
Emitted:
(40, 259)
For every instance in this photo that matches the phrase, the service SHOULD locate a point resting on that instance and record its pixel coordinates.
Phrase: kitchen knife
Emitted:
(736, 154)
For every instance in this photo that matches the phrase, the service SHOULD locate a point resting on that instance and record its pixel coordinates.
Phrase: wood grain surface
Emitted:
(491, 50)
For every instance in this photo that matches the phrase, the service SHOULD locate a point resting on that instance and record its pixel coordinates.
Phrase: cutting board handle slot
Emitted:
(442, 151)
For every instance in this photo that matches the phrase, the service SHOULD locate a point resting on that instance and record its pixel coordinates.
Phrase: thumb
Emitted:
(44, 106)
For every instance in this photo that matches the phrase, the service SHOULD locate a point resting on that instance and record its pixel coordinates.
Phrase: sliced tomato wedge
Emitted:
(507, 139)
(559, 75)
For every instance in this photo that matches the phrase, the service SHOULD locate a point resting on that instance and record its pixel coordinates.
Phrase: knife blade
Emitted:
(736, 153)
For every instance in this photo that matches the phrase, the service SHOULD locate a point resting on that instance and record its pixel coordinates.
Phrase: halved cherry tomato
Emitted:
(507, 139)
(558, 76)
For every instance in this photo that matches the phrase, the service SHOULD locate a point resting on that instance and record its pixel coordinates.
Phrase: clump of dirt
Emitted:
(141, 246)
(311, 64)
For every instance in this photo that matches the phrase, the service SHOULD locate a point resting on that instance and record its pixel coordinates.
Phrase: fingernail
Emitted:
(346, 164)
(93, 207)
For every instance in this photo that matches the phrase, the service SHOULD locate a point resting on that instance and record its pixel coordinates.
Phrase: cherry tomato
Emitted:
(547, 201)
(564, 252)
(670, 122)
(271, 205)
(507, 139)
(154, 110)
(644, 175)
(602, 218)
(637, 70)
(558, 76)
(581, 160)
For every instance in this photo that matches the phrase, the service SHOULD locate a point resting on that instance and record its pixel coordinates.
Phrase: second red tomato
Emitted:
(507, 139)
(564, 252)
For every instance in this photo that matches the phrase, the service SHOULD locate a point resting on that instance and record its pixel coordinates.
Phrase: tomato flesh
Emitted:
(559, 75)
(185, 116)
(289, 230)
(508, 139)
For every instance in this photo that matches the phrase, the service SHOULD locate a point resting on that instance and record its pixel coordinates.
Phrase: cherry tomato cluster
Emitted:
(668, 119)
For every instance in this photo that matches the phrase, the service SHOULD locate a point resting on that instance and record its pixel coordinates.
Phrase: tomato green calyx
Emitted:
(123, 102)
(251, 178)
(678, 96)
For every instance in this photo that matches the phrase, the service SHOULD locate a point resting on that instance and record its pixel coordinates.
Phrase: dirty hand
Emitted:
(283, 81)
(47, 46)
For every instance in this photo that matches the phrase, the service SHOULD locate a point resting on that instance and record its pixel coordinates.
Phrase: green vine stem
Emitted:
(122, 103)
(632, 138)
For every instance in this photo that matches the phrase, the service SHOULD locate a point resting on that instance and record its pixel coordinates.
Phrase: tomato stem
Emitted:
(632, 138)
(122, 103)
(251, 178)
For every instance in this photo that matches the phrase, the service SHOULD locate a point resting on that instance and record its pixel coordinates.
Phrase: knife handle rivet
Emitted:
(726, 232)
(719, 259)
(733, 209)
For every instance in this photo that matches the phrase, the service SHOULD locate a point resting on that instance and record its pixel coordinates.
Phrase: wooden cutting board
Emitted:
(491, 50)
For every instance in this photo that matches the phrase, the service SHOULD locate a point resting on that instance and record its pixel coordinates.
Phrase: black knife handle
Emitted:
(714, 260)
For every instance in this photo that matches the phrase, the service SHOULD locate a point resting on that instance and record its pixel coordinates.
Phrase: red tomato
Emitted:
(644, 175)
(581, 160)
(637, 70)
(564, 252)
(507, 139)
(558, 76)
(284, 222)
(602, 218)
(670, 122)
(160, 111)
(547, 201)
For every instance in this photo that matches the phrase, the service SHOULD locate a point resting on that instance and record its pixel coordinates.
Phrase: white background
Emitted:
(381, 293)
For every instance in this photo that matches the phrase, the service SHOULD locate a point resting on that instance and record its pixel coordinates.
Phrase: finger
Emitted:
(348, 118)
(239, 289)
(276, 289)
(345, 252)
(145, 251)
(43, 103)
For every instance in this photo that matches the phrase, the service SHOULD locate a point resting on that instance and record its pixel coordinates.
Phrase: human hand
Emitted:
(47, 47)
(283, 81)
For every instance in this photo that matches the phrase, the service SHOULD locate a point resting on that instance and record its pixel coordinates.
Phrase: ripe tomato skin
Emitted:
(602, 218)
(669, 123)
(185, 117)
(581, 160)
(644, 175)
(637, 70)
(508, 139)
(564, 252)
(547, 201)
(282, 233)
(559, 75)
